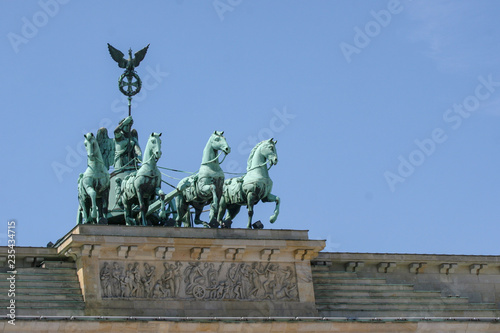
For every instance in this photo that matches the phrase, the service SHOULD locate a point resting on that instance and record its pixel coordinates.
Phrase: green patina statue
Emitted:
(143, 186)
(129, 83)
(135, 185)
(107, 147)
(93, 185)
(127, 150)
(255, 185)
(205, 187)
(123, 152)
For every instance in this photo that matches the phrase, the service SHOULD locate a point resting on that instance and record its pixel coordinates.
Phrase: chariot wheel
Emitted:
(199, 292)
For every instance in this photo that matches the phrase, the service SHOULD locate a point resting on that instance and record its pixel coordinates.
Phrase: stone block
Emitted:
(386, 267)
(417, 267)
(477, 268)
(354, 266)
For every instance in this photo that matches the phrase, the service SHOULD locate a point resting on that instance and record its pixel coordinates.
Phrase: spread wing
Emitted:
(139, 56)
(118, 56)
(107, 146)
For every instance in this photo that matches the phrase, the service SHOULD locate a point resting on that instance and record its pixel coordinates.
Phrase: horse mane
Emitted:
(252, 153)
(147, 149)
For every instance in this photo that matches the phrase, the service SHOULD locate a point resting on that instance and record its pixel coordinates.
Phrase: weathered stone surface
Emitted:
(290, 325)
(444, 279)
(157, 271)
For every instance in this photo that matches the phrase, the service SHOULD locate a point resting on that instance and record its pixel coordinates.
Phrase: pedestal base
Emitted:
(158, 271)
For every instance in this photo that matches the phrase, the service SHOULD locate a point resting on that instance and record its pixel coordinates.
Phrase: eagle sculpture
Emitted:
(130, 63)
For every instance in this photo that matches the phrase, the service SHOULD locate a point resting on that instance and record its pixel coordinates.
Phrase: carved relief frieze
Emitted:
(198, 280)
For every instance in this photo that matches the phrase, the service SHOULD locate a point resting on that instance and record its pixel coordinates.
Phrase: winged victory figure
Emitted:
(107, 147)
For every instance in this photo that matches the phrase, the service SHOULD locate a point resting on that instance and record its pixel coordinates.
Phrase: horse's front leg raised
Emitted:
(272, 198)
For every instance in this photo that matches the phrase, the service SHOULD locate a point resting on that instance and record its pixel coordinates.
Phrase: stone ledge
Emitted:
(172, 232)
(415, 263)
(134, 324)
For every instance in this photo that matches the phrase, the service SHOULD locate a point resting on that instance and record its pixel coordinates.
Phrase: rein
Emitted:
(261, 165)
(215, 159)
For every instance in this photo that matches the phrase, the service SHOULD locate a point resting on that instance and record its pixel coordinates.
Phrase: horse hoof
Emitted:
(103, 221)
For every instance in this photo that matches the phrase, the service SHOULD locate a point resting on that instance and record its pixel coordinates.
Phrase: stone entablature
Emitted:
(413, 263)
(159, 271)
(474, 276)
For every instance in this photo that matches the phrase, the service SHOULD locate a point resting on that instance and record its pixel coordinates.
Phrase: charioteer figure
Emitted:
(127, 151)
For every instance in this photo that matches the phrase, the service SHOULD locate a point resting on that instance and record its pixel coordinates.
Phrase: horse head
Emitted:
(268, 150)
(91, 145)
(153, 147)
(218, 142)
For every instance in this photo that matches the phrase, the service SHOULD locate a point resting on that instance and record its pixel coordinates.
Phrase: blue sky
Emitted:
(386, 112)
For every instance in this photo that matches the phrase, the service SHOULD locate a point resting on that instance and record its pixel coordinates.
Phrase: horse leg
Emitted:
(145, 212)
(250, 204)
(198, 209)
(142, 206)
(232, 211)
(163, 213)
(222, 209)
(272, 198)
(83, 209)
(93, 197)
(100, 215)
(104, 206)
(214, 207)
(105, 201)
(181, 211)
(206, 190)
(187, 217)
(127, 207)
